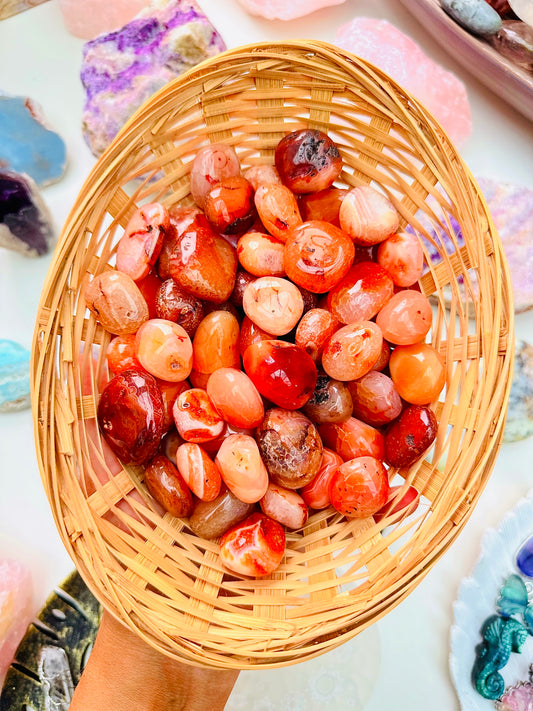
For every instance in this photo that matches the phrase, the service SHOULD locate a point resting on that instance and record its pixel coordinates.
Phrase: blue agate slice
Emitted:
(14, 376)
(27, 145)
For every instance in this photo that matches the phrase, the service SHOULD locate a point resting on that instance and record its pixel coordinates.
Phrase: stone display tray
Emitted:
(510, 82)
(52, 654)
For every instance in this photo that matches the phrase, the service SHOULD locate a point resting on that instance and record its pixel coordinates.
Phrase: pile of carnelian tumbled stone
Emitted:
(269, 353)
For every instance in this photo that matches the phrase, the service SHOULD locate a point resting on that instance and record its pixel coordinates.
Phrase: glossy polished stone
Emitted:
(502, 7)
(515, 41)
(476, 16)
(523, 9)
(524, 558)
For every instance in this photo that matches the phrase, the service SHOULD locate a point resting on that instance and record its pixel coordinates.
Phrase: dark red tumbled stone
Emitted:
(131, 416)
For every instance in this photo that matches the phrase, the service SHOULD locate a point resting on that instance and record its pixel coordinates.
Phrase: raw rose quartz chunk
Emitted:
(16, 610)
(401, 58)
(285, 9)
(88, 18)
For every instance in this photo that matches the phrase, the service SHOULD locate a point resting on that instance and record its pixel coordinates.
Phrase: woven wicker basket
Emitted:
(338, 576)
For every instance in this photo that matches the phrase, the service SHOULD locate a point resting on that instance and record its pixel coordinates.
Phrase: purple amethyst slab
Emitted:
(25, 222)
(122, 69)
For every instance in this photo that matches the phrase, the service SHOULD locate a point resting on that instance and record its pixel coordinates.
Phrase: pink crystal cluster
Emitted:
(517, 698)
(16, 609)
(122, 69)
(383, 45)
(285, 9)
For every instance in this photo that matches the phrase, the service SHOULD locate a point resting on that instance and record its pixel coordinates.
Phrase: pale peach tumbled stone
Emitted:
(89, 18)
(285, 9)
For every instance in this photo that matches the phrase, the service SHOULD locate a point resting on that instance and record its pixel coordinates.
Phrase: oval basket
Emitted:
(338, 576)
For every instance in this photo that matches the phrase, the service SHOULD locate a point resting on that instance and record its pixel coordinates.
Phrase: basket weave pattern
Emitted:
(338, 576)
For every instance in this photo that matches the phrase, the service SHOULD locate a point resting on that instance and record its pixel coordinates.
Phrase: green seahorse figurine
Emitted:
(501, 636)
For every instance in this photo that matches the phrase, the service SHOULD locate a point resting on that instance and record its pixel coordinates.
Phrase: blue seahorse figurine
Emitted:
(501, 636)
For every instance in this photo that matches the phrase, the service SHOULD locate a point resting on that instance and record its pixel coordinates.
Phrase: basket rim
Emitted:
(113, 156)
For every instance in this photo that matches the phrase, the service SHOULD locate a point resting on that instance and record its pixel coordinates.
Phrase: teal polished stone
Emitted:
(476, 16)
(27, 145)
(14, 376)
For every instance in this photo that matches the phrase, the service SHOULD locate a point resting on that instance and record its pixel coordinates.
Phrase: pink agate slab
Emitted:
(383, 45)
(285, 9)
(16, 610)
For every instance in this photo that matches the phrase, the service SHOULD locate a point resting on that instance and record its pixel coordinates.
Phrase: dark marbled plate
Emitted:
(53, 653)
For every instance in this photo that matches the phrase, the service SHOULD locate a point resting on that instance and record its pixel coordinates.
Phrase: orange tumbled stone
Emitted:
(317, 255)
(216, 342)
(235, 397)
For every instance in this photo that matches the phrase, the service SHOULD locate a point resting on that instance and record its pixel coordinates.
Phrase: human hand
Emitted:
(126, 674)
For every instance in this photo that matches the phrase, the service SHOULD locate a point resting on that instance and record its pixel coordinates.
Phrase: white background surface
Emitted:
(38, 58)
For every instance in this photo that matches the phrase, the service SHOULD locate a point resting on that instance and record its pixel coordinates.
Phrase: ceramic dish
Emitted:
(478, 599)
(507, 80)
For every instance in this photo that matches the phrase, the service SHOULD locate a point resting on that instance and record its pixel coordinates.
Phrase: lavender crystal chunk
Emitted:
(25, 223)
(511, 208)
(122, 69)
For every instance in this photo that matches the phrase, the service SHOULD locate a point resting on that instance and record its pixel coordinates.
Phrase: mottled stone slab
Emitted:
(25, 221)
(519, 424)
(27, 144)
(122, 69)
